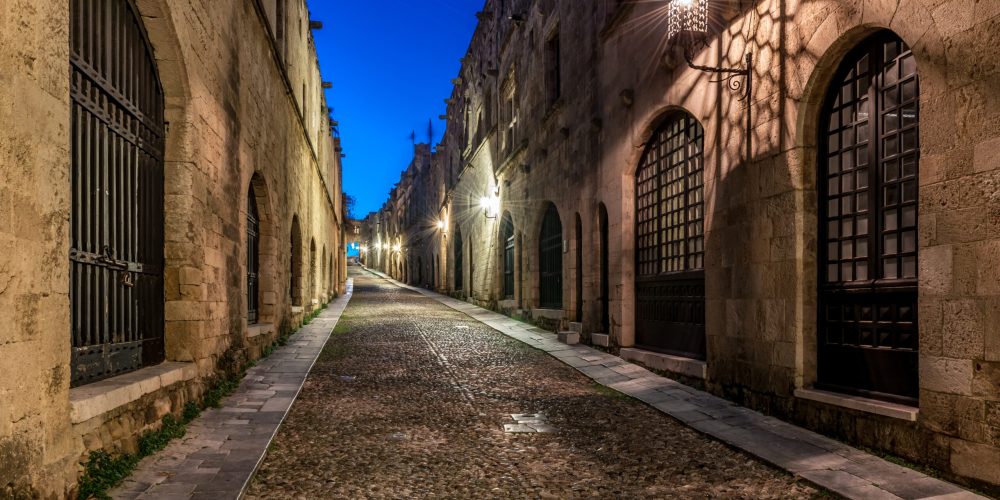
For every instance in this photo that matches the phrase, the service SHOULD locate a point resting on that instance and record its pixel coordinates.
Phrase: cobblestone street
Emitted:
(411, 398)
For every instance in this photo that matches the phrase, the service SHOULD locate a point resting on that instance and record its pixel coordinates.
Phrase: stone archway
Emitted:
(267, 251)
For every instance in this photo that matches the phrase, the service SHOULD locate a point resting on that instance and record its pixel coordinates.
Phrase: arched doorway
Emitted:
(295, 263)
(579, 268)
(670, 241)
(550, 251)
(253, 258)
(311, 291)
(868, 183)
(116, 246)
(507, 258)
(602, 221)
(457, 255)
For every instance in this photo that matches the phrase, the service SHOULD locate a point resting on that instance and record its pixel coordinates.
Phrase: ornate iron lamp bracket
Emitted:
(738, 80)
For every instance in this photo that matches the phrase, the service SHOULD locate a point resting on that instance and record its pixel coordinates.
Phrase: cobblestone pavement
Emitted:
(411, 398)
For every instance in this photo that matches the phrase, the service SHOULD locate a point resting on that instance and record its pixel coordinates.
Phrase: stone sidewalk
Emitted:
(223, 447)
(806, 454)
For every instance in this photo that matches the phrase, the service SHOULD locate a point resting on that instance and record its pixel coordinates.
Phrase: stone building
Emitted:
(793, 204)
(171, 204)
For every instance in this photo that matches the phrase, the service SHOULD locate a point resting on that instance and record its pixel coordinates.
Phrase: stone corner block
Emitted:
(601, 339)
(569, 338)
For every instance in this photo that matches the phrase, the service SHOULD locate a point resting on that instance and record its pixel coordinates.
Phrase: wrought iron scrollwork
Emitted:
(738, 80)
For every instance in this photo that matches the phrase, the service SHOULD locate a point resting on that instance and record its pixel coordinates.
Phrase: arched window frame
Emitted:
(507, 256)
(868, 212)
(253, 258)
(550, 252)
(670, 239)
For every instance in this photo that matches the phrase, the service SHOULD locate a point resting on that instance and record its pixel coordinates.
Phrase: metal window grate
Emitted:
(868, 171)
(670, 193)
(670, 251)
(116, 251)
(253, 258)
(550, 250)
(507, 236)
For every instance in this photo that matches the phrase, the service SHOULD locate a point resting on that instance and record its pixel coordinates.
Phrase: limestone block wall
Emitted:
(240, 112)
(35, 442)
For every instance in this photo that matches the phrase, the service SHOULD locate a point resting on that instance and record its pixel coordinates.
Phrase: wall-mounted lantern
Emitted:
(490, 204)
(688, 24)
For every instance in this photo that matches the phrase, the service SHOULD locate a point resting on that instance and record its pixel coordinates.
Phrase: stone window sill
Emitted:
(676, 364)
(259, 329)
(886, 409)
(91, 400)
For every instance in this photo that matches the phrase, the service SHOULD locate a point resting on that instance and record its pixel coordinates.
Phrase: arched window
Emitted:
(869, 154)
(550, 251)
(458, 259)
(295, 264)
(253, 258)
(116, 178)
(670, 240)
(507, 240)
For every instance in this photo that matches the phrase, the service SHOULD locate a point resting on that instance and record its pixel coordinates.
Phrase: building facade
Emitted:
(171, 205)
(790, 203)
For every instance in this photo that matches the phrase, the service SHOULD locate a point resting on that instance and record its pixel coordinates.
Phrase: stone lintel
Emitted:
(101, 397)
(675, 364)
(859, 403)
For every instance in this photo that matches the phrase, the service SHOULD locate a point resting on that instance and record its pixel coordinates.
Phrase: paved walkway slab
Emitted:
(816, 458)
(223, 447)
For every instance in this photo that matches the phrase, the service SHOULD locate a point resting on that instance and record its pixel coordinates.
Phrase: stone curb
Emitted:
(223, 448)
(805, 454)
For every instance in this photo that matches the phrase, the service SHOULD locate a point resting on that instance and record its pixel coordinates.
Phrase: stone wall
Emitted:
(242, 108)
(620, 76)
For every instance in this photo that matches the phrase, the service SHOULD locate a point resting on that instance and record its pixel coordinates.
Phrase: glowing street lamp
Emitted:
(687, 16)
(490, 205)
(396, 247)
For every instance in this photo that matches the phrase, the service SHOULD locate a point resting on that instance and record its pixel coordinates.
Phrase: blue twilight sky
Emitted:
(391, 63)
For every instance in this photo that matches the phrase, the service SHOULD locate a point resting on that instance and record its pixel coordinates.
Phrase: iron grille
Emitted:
(295, 264)
(605, 271)
(670, 230)
(253, 258)
(458, 259)
(868, 304)
(551, 251)
(507, 236)
(116, 251)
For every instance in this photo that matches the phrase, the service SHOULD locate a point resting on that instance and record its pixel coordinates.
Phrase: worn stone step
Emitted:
(601, 339)
(569, 338)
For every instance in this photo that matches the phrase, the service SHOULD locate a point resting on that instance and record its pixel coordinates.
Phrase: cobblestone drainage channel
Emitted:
(528, 423)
